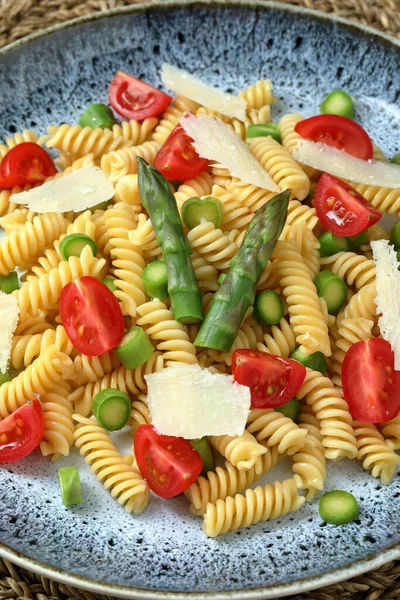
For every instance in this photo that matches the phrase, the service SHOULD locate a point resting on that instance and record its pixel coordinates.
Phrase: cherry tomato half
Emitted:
(21, 432)
(91, 315)
(341, 209)
(371, 386)
(337, 131)
(177, 160)
(135, 99)
(169, 464)
(272, 380)
(25, 164)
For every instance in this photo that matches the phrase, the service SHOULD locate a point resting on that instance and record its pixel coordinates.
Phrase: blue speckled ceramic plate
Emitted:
(163, 553)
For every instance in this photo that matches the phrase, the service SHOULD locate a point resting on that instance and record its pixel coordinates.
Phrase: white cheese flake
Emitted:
(75, 191)
(216, 141)
(190, 402)
(388, 295)
(185, 84)
(9, 313)
(341, 164)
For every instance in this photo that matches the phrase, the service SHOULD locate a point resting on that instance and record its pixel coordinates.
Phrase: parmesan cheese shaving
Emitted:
(190, 402)
(184, 83)
(388, 295)
(9, 312)
(339, 163)
(216, 141)
(76, 191)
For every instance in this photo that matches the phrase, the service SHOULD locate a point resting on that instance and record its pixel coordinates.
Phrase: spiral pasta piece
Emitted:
(123, 379)
(353, 268)
(267, 502)
(140, 414)
(32, 325)
(170, 117)
(350, 332)
(258, 95)
(280, 341)
(15, 220)
(307, 244)
(127, 259)
(27, 348)
(91, 368)
(37, 378)
(361, 305)
(375, 455)
(123, 480)
(206, 274)
(305, 313)
(383, 199)
(6, 206)
(193, 188)
(221, 176)
(242, 451)
(236, 215)
(238, 127)
(331, 409)
(43, 292)
(248, 336)
(281, 166)
(19, 247)
(309, 464)
(274, 429)
(19, 138)
(58, 434)
(102, 236)
(119, 163)
(215, 245)
(298, 212)
(290, 138)
(127, 191)
(391, 432)
(143, 237)
(170, 336)
(249, 196)
(227, 481)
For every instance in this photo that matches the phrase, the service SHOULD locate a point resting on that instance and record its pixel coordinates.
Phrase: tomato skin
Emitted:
(135, 99)
(91, 315)
(25, 164)
(177, 160)
(371, 386)
(169, 464)
(339, 132)
(260, 370)
(341, 209)
(21, 432)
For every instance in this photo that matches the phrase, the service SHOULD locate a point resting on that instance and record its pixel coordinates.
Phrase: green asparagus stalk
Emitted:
(160, 203)
(238, 290)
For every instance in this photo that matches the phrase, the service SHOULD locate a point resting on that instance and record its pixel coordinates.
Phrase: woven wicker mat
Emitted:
(21, 17)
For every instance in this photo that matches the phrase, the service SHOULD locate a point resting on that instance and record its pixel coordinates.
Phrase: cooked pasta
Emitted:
(391, 432)
(215, 245)
(280, 341)
(271, 501)
(298, 212)
(206, 274)
(236, 215)
(290, 137)
(228, 481)
(307, 244)
(143, 238)
(241, 451)
(350, 332)
(140, 414)
(258, 95)
(124, 481)
(274, 429)
(19, 138)
(58, 434)
(375, 455)
(305, 313)
(309, 463)
(169, 118)
(28, 347)
(198, 187)
(127, 190)
(354, 268)
(91, 368)
(281, 166)
(119, 163)
(384, 199)
(247, 195)
(16, 219)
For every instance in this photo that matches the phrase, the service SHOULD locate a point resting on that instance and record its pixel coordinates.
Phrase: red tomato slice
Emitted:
(177, 160)
(169, 464)
(21, 432)
(337, 131)
(135, 99)
(91, 315)
(272, 380)
(371, 386)
(341, 209)
(25, 164)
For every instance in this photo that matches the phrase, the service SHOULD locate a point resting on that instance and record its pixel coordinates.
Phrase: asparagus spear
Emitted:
(159, 201)
(238, 290)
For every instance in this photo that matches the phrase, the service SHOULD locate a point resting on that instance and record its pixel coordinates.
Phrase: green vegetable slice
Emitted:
(333, 289)
(197, 210)
(135, 348)
(394, 236)
(9, 283)
(203, 447)
(291, 409)
(155, 279)
(4, 377)
(396, 159)
(268, 308)
(340, 103)
(72, 245)
(358, 240)
(315, 361)
(222, 278)
(70, 485)
(97, 115)
(110, 283)
(338, 507)
(331, 244)
(264, 130)
(111, 408)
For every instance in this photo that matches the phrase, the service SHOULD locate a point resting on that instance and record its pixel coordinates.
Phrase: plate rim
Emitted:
(354, 569)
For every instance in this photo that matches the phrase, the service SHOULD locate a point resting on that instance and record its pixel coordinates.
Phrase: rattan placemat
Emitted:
(18, 18)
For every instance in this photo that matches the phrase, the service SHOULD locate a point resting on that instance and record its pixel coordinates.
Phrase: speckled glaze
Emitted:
(163, 553)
